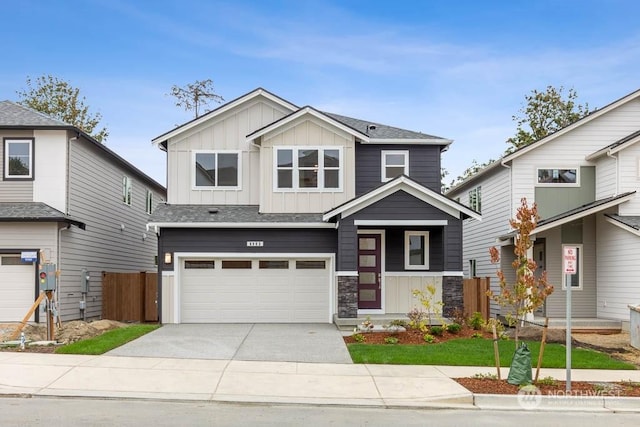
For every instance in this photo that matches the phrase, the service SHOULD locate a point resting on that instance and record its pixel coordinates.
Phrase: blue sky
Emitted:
(456, 69)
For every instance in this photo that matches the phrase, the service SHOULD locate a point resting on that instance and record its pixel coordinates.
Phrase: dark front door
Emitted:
(369, 271)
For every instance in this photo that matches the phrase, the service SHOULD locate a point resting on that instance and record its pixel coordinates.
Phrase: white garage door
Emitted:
(16, 288)
(254, 290)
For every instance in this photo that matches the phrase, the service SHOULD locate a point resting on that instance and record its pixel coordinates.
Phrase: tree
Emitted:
(528, 292)
(195, 95)
(545, 113)
(58, 99)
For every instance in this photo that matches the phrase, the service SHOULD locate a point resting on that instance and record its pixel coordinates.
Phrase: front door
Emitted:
(539, 256)
(369, 271)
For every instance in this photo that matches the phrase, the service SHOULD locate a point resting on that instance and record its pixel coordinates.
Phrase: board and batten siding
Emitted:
(424, 165)
(479, 236)
(629, 180)
(227, 131)
(569, 150)
(312, 132)
(115, 239)
(617, 271)
(14, 191)
(50, 166)
(398, 292)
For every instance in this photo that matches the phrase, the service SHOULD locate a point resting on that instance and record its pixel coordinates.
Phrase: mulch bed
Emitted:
(414, 336)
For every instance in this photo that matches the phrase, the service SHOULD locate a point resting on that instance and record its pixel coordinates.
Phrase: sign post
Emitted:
(569, 264)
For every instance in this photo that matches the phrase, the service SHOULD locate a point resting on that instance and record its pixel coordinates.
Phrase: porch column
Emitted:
(452, 295)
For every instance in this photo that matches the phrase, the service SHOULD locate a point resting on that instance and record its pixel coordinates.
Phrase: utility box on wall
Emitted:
(47, 277)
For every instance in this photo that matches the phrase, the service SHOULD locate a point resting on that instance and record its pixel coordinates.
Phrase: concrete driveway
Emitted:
(320, 343)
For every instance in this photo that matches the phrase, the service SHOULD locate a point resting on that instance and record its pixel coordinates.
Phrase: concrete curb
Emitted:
(505, 402)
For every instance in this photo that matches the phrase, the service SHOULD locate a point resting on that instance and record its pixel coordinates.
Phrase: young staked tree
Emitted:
(545, 113)
(528, 292)
(58, 99)
(195, 96)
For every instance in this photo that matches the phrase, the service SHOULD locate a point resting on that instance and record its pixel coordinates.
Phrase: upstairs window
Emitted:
(217, 169)
(475, 199)
(307, 168)
(149, 208)
(558, 176)
(394, 163)
(18, 158)
(127, 190)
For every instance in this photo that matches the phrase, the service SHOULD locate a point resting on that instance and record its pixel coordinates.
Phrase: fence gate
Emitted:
(475, 296)
(130, 297)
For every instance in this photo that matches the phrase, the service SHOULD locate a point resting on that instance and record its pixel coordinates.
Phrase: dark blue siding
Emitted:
(424, 165)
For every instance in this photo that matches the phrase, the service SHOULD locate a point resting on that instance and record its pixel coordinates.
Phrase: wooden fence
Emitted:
(130, 297)
(475, 296)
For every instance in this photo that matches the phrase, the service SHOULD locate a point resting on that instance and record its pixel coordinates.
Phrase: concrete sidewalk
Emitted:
(269, 382)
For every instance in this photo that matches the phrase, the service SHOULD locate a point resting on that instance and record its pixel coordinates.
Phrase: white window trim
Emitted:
(127, 190)
(216, 187)
(295, 170)
(7, 142)
(555, 184)
(407, 250)
(580, 267)
(383, 163)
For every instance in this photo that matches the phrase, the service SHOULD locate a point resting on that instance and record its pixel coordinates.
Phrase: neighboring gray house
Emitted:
(584, 179)
(76, 203)
(277, 213)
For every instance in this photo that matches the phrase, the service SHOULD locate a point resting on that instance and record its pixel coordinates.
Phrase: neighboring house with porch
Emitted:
(277, 213)
(584, 179)
(71, 201)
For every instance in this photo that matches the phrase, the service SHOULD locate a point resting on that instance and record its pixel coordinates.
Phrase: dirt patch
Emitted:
(70, 332)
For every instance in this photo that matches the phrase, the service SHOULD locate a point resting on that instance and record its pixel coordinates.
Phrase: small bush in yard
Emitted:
(358, 338)
(477, 335)
(547, 381)
(476, 321)
(454, 328)
(437, 331)
(416, 318)
(429, 338)
(391, 340)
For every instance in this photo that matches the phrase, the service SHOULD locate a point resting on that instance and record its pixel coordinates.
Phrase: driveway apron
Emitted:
(316, 343)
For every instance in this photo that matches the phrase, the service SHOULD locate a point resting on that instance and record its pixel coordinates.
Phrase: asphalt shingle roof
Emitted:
(629, 221)
(33, 211)
(225, 214)
(583, 208)
(381, 131)
(12, 114)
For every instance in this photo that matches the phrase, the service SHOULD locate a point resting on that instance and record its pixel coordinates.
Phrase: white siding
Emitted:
(569, 150)
(227, 131)
(618, 270)
(629, 170)
(49, 185)
(306, 131)
(606, 177)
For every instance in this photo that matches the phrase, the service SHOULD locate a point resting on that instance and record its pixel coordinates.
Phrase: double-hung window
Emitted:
(18, 158)
(308, 168)
(127, 190)
(394, 163)
(149, 204)
(416, 250)
(216, 169)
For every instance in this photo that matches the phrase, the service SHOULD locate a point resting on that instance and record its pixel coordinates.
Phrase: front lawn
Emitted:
(478, 352)
(107, 341)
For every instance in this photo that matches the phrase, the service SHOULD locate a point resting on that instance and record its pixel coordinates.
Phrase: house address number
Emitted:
(255, 243)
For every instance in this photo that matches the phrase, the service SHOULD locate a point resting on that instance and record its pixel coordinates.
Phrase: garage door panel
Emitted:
(264, 293)
(16, 290)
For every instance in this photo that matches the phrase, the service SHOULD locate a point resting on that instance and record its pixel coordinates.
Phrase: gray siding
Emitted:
(235, 240)
(347, 245)
(555, 200)
(14, 191)
(424, 165)
(115, 239)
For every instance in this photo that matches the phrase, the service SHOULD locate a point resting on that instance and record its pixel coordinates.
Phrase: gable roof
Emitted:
(34, 212)
(402, 183)
(222, 109)
(620, 144)
(16, 116)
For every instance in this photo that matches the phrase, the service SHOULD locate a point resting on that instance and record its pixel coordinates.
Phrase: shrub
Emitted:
(458, 316)
(487, 376)
(416, 318)
(429, 338)
(547, 381)
(358, 337)
(477, 335)
(476, 321)
(391, 340)
(437, 330)
(454, 328)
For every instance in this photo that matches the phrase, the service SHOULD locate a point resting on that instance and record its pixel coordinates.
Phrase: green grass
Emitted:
(107, 341)
(479, 352)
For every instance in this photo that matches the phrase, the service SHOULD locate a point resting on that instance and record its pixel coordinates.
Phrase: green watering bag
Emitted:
(520, 371)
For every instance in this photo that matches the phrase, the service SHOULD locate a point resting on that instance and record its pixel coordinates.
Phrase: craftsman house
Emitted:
(584, 179)
(69, 200)
(280, 213)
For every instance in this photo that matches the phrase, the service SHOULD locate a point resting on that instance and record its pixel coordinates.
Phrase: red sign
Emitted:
(569, 259)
